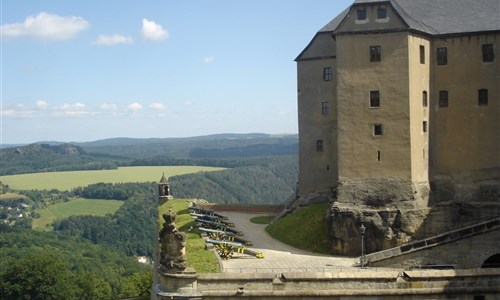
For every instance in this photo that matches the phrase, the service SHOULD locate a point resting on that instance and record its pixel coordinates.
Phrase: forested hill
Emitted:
(211, 146)
(49, 158)
(213, 150)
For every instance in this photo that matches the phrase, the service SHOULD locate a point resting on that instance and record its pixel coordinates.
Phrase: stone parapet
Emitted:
(364, 283)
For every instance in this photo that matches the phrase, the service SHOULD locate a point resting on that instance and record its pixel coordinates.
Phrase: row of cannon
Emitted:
(226, 239)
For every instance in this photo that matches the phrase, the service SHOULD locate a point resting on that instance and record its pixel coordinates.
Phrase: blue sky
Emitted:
(89, 70)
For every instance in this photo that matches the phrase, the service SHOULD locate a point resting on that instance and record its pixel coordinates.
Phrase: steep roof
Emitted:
(439, 17)
(163, 179)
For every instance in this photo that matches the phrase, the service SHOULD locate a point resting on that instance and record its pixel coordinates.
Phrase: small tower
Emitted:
(164, 190)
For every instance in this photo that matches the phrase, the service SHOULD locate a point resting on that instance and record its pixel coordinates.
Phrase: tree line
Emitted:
(44, 265)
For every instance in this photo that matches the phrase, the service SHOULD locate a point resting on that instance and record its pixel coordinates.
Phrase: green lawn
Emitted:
(305, 229)
(78, 206)
(68, 180)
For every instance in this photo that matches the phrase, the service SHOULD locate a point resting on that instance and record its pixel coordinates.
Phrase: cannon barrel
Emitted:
(206, 211)
(216, 225)
(234, 244)
(225, 236)
(211, 218)
(216, 231)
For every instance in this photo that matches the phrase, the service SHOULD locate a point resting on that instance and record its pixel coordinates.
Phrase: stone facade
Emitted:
(398, 112)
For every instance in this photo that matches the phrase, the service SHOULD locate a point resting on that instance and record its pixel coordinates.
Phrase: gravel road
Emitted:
(278, 257)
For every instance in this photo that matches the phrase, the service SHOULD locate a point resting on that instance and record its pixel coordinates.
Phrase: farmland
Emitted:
(79, 206)
(68, 180)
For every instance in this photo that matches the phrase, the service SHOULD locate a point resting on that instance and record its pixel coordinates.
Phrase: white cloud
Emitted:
(110, 40)
(46, 26)
(134, 107)
(158, 106)
(208, 59)
(40, 104)
(11, 112)
(152, 31)
(107, 106)
(76, 109)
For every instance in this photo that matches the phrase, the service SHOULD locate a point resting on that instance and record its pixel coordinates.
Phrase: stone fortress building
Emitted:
(399, 120)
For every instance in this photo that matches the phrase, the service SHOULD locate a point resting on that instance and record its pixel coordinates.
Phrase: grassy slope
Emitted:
(75, 207)
(305, 229)
(68, 180)
(201, 260)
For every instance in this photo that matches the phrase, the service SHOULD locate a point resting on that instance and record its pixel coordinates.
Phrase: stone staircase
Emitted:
(447, 237)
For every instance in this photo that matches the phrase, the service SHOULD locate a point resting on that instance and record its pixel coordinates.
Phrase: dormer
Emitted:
(371, 16)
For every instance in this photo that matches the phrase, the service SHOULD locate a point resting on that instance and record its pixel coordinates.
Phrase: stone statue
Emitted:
(172, 246)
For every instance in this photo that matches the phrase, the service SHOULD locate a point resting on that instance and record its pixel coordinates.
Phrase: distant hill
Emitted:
(210, 146)
(48, 158)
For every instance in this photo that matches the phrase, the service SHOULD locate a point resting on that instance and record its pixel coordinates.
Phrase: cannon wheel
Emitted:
(225, 251)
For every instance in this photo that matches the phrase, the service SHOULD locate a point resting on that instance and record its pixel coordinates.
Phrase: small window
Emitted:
(375, 53)
(319, 146)
(482, 97)
(422, 54)
(378, 156)
(442, 56)
(424, 99)
(381, 13)
(443, 98)
(327, 73)
(324, 108)
(424, 126)
(488, 53)
(361, 13)
(377, 129)
(374, 99)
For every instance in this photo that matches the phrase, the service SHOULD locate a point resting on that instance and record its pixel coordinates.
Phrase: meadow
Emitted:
(78, 206)
(68, 180)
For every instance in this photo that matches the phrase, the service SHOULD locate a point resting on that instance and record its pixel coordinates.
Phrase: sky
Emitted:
(76, 71)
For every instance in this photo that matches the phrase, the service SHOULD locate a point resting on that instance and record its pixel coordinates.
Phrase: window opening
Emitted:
(327, 73)
(324, 108)
(424, 126)
(482, 97)
(377, 129)
(375, 53)
(374, 99)
(443, 98)
(424, 99)
(361, 13)
(319, 146)
(442, 56)
(422, 54)
(381, 13)
(488, 53)
(378, 155)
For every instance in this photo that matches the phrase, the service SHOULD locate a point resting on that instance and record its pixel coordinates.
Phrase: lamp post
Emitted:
(362, 230)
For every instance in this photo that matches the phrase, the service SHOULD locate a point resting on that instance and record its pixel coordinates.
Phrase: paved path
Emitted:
(278, 257)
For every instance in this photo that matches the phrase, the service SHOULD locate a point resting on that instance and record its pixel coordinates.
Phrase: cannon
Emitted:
(211, 218)
(225, 236)
(217, 225)
(206, 211)
(226, 249)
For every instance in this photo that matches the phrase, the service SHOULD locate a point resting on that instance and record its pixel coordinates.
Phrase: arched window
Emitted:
(492, 261)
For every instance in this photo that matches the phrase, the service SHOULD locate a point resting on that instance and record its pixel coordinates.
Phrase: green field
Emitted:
(78, 206)
(11, 196)
(68, 180)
